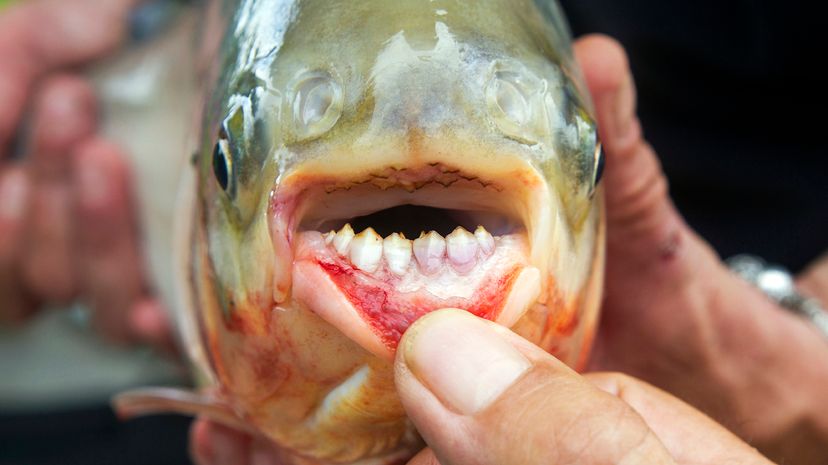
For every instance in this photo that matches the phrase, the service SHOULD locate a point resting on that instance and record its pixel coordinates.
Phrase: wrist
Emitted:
(771, 367)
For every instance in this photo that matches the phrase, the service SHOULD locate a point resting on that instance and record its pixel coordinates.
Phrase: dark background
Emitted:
(92, 436)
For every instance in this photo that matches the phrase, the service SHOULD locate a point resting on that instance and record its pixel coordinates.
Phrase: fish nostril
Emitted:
(510, 100)
(512, 95)
(317, 104)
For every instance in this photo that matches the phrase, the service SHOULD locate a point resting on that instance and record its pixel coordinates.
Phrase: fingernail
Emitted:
(13, 195)
(462, 360)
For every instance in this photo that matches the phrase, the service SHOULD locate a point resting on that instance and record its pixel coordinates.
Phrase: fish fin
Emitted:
(156, 400)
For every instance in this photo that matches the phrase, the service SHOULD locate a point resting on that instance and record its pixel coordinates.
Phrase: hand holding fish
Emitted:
(479, 394)
(674, 316)
(66, 224)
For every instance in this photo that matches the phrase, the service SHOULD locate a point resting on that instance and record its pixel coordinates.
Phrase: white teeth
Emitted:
(429, 249)
(343, 239)
(461, 247)
(397, 251)
(485, 240)
(366, 250)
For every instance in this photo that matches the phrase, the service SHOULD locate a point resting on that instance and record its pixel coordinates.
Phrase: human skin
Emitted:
(67, 228)
(673, 316)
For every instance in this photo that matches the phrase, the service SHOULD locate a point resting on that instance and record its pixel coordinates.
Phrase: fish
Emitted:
(357, 166)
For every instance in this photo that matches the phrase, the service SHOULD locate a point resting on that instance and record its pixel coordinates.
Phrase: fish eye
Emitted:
(598, 169)
(222, 163)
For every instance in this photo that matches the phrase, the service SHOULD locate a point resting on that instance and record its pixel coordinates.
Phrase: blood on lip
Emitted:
(390, 312)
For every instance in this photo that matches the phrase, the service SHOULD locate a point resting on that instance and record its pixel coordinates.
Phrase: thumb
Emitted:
(643, 227)
(480, 394)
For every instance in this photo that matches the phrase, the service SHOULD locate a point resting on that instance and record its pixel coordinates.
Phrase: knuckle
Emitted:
(636, 201)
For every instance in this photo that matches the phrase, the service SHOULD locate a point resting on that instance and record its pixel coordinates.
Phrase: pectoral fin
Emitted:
(156, 400)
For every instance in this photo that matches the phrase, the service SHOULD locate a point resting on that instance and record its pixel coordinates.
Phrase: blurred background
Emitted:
(57, 370)
(729, 96)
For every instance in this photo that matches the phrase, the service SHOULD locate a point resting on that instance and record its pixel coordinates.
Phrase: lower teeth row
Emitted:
(366, 250)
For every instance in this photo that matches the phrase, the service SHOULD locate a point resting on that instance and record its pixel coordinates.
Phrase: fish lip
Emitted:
(518, 192)
(321, 199)
(320, 292)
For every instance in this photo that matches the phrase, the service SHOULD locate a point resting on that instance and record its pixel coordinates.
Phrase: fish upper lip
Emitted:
(330, 202)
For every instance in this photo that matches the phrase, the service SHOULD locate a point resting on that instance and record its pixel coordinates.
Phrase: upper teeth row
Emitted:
(367, 249)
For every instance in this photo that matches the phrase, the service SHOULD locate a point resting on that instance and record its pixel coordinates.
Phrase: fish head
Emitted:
(364, 164)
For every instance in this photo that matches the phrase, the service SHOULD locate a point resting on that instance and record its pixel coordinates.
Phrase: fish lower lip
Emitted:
(375, 306)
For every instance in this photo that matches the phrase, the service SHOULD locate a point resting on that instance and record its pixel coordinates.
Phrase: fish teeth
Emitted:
(342, 240)
(485, 240)
(329, 237)
(397, 251)
(429, 250)
(366, 250)
(461, 248)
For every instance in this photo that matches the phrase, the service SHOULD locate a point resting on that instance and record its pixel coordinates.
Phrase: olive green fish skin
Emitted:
(307, 90)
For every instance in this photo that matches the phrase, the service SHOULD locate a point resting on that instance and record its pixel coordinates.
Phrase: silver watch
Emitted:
(778, 284)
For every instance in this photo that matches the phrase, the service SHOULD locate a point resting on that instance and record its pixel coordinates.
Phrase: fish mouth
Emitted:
(373, 253)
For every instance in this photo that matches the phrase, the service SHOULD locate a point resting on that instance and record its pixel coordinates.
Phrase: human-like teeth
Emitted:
(329, 237)
(343, 239)
(429, 250)
(461, 248)
(397, 251)
(366, 250)
(485, 240)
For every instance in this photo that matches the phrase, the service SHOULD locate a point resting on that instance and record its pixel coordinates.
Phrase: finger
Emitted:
(649, 248)
(644, 225)
(148, 322)
(213, 444)
(472, 388)
(814, 280)
(660, 411)
(14, 192)
(263, 452)
(425, 457)
(64, 115)
(111, 269)
(39, 36)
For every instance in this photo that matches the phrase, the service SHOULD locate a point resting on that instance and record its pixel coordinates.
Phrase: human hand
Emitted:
(675, 316)
(66, 215)
(479, 394)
